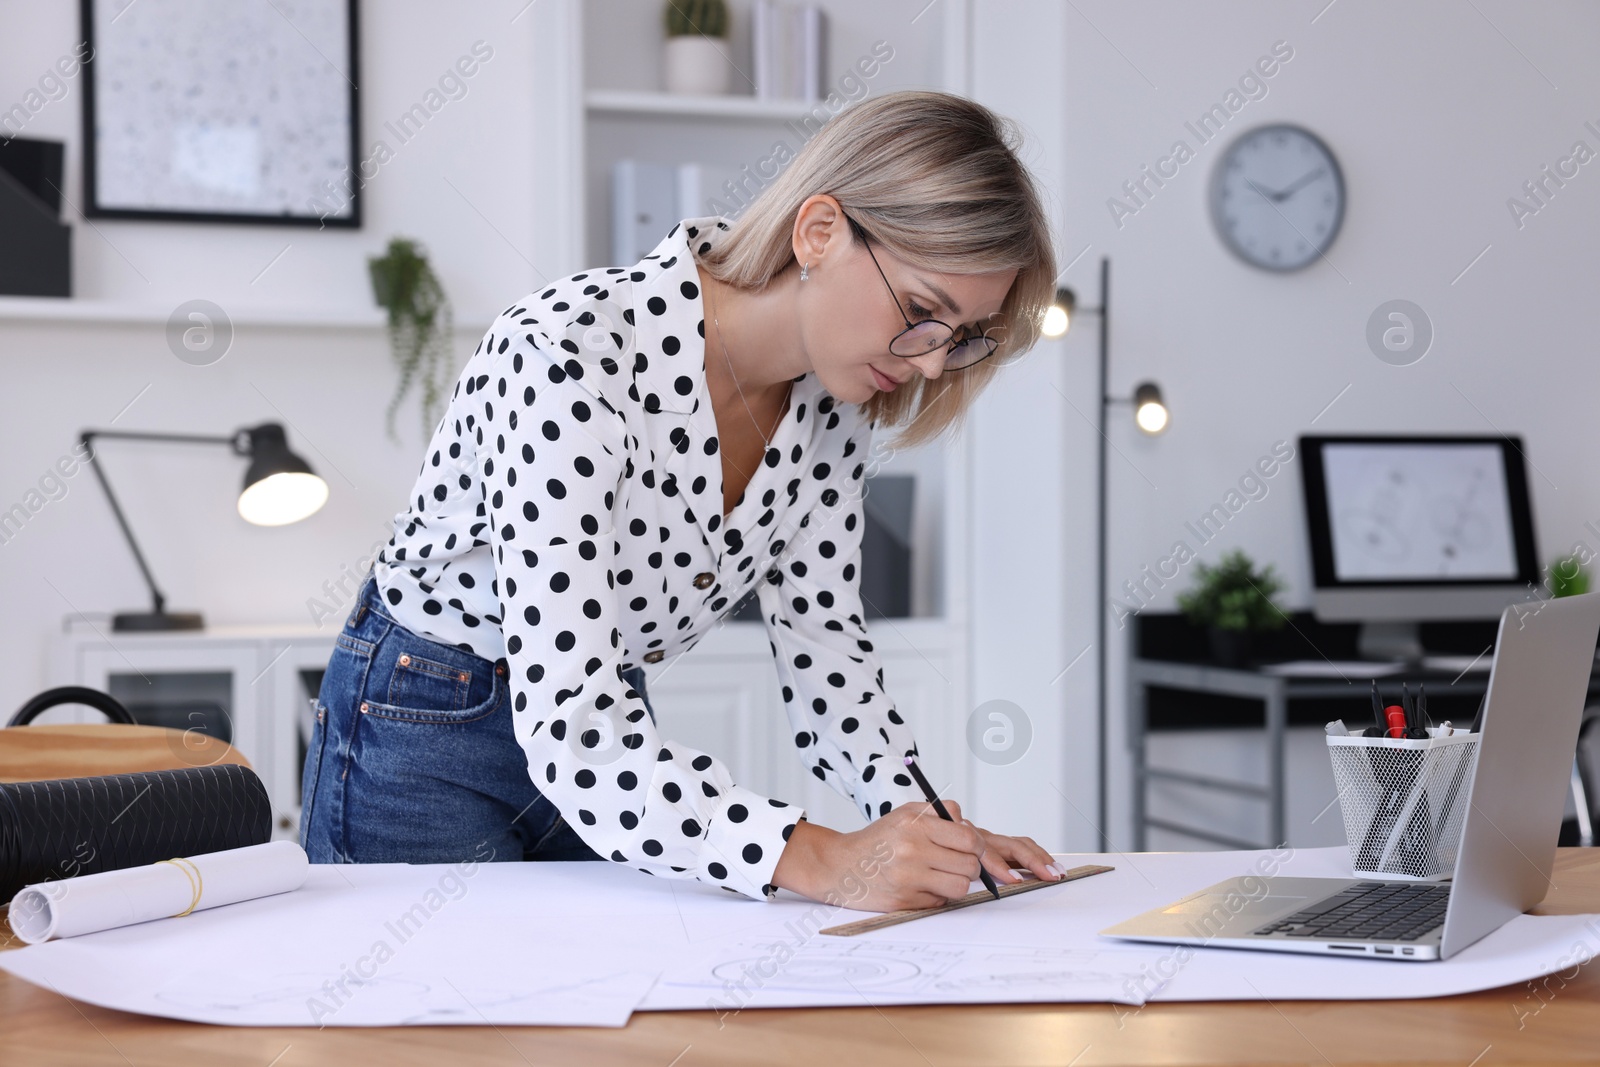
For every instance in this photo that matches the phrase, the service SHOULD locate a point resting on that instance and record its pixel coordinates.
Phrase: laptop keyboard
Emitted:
(1381, 911)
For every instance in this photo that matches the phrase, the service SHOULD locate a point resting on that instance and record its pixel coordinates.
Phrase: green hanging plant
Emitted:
(1233, 595)
(420, 326)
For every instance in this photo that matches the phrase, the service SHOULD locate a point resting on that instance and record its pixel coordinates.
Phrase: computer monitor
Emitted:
(1409, 528)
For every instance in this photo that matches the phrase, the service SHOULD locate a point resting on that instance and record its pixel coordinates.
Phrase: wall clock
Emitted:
(1277, 197)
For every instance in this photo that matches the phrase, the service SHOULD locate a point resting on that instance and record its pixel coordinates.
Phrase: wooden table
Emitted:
(1514, 1025)
(78, 750)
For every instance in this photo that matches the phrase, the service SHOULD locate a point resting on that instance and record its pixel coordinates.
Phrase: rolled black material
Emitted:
(65, 827)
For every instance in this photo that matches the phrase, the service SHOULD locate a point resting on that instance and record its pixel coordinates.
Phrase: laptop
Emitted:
(1538, 685)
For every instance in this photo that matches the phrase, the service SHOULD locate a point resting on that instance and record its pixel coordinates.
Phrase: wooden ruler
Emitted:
(892, 918)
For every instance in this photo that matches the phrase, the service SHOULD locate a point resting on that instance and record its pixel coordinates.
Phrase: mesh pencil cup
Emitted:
(1403, 802)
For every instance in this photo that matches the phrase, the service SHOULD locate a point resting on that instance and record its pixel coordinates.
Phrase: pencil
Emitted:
(938, 806)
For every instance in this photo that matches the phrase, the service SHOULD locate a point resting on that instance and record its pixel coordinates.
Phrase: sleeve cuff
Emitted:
(886, 787)
(744, 840)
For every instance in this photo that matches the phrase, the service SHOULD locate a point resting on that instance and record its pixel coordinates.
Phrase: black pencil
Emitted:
(938, 806)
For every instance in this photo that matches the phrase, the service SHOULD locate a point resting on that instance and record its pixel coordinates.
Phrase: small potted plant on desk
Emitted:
(1566, 577)
(695, 59)
(1232, 600)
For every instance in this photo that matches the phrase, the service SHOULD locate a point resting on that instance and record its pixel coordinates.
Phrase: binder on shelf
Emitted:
(788, 48)
(713, 189)
(814, 52)
(648, 198)
(644, 206)
(761, 15)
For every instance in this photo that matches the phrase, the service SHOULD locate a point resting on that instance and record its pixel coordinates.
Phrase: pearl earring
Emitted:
(805, 270)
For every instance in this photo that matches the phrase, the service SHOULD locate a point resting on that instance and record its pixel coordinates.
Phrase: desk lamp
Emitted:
(279, 488)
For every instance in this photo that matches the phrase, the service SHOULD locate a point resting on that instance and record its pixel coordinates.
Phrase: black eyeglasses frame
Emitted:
(982, 340)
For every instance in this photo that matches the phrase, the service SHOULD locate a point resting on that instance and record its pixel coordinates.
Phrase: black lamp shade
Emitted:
(279, 486)
(1149, 410)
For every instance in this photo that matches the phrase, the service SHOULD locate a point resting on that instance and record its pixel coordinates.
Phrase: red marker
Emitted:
(1397, 720)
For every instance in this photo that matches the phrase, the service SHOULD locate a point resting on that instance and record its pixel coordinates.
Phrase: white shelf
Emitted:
(623, 102)
(121, 312)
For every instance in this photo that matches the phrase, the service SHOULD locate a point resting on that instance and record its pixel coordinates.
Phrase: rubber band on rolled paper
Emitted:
(196, 884)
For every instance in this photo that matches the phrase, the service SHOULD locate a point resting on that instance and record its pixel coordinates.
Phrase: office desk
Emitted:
(1274, 693)
(1559, 1024)
(1170, 655)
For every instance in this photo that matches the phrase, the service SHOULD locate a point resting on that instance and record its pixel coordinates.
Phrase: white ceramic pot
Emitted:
(695, 64)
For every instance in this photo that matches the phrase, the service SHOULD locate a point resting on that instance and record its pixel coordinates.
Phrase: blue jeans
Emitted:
(412, 758)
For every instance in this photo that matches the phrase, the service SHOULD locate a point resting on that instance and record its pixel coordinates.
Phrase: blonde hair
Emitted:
(935, 179)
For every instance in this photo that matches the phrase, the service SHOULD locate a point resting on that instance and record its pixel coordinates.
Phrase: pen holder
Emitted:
(1403, 802)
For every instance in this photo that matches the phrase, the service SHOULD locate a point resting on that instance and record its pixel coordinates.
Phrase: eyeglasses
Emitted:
(920, 338)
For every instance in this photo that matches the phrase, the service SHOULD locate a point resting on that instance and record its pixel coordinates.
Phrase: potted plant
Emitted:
(1232, 600)
(695, 58)
(420, 326)
(1566, 577)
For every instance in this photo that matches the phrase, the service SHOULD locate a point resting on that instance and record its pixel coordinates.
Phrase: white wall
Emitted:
(489, 242)
(480, 235)
(1437, 112)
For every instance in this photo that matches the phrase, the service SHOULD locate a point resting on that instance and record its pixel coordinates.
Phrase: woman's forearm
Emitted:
(804, 867)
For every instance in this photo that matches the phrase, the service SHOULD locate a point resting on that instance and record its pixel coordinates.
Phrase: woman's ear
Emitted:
(819, 226)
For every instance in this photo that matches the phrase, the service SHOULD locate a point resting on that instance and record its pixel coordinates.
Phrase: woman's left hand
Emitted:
(1001, 853)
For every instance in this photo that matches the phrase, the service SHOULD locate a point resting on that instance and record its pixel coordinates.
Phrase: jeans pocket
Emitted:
(415, 679)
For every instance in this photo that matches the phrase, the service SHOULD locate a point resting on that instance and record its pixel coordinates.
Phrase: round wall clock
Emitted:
(1277, 197)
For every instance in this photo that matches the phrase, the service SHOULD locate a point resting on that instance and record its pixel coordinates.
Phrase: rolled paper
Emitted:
(70, 827)
(168, 888)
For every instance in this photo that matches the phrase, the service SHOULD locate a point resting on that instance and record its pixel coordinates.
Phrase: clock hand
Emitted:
(1294, 187)
(1269, 197)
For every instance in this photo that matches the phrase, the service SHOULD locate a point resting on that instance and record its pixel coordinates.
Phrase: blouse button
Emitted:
(654, 657)
(703, 579)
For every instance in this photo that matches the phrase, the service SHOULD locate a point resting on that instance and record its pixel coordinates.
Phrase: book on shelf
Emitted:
(788, 49)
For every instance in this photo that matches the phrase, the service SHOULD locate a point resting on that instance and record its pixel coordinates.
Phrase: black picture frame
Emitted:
(92, 162)
(1314, 483)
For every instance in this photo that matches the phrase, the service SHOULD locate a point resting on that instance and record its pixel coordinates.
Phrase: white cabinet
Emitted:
(249, 687)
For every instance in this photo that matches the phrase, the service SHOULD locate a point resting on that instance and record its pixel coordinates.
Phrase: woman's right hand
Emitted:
(909, 858)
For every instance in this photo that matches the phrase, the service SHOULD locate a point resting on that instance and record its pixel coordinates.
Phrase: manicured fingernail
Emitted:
(1055, 869)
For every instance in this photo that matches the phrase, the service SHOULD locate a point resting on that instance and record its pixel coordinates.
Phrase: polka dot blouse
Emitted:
(568, 517)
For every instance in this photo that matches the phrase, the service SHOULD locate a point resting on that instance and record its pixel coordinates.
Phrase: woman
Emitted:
(627, 453)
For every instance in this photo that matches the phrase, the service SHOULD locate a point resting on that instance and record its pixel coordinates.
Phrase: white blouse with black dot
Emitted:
(568, 516)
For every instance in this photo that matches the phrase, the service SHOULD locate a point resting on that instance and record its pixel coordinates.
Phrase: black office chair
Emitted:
(105, 703)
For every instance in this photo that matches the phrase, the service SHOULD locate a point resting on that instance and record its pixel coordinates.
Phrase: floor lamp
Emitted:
(1150, 415)
(279, 488)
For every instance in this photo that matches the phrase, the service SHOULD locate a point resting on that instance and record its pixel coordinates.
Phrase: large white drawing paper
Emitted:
(1067, 919)
(93, 902)
(816, 972)
(378, 945)
(584, 944)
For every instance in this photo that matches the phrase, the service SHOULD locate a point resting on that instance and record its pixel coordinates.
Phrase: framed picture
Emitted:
(198, 111)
